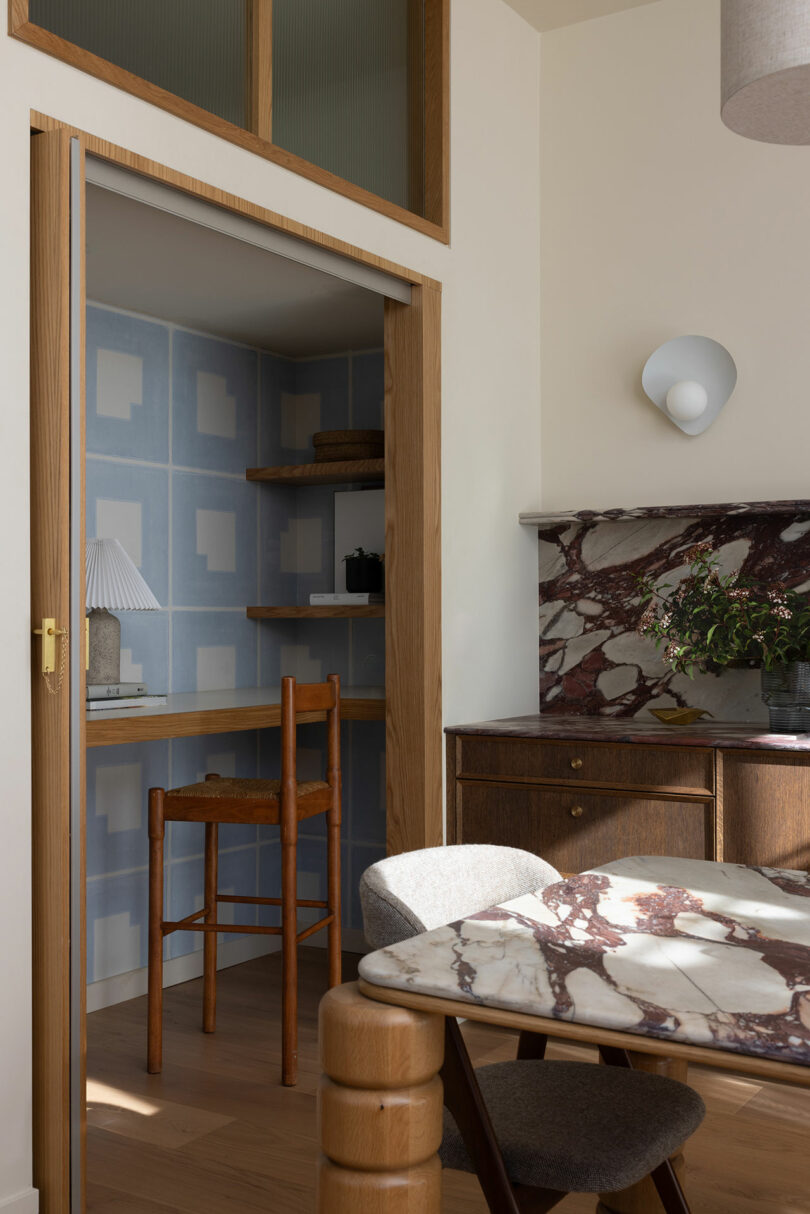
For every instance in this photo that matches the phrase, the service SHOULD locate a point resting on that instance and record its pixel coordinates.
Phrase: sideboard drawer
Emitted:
(574, 830)
(598, 765)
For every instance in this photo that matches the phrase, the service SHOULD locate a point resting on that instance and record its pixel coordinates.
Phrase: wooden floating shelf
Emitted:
(333, 472)
(338, 611)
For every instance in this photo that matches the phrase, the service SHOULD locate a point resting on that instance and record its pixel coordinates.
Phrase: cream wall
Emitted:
(490, 408)
(658, 221)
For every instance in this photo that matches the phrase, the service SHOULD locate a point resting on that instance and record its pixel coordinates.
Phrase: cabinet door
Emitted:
(766, 809)
(575, 830)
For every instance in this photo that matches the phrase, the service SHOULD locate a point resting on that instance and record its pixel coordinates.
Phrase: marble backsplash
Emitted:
(592, 660)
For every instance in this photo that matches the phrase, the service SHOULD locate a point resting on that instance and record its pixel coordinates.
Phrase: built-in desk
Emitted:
(192, 713)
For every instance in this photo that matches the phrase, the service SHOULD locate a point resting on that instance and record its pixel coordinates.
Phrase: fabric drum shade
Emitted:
(766, 69)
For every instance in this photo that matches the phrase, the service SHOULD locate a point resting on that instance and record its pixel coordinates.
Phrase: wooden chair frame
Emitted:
(287, 811)
(463, 1098)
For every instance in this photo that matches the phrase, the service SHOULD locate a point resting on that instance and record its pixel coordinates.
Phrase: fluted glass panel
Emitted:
(348, 89)
(193, 48)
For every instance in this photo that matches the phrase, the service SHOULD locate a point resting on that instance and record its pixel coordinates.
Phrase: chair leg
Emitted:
(531, 1045)
(289, 951)
(210, 938)
(668, 1187)
(154, 1050)
(333, 898)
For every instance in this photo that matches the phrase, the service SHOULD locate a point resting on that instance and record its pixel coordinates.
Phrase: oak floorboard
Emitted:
(750, 1156)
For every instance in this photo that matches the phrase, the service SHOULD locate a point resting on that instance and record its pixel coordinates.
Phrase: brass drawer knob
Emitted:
(576, 764)
(576, 811)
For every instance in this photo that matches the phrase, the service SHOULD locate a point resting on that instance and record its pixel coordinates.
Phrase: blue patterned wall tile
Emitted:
(366, 822)
(283, 653)
(117, 924)
(118, 780)
(237, 874)
(213, 541)
(277, 384)
(145, 649)
(213, 650)
(328, 378)
(368, 653)
(296, 401)
(214, 395)
(130, 503)
(127, 386)
(312, 881)
(368, 390)
(278, 574)
(310, 543)
(229, 754)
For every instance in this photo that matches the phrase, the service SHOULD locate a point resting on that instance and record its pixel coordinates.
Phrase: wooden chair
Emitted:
(284, 802)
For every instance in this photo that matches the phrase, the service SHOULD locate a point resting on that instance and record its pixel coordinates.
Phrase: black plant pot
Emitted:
(364, 575)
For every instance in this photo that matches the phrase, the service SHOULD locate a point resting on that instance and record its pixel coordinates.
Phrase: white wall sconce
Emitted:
(766, 69)
(690, 379)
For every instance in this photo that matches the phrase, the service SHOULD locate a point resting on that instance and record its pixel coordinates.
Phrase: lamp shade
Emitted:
(113, 580)
(766, 69)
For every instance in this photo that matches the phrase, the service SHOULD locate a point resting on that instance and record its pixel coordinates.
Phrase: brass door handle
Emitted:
(576, 764)
(49, 632)
(576, 811)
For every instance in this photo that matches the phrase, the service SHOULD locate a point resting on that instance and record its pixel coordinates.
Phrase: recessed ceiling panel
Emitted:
(149, 261)
(552, 14)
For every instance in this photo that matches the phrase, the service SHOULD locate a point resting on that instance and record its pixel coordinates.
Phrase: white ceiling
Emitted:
(551, 14)
(148, 261)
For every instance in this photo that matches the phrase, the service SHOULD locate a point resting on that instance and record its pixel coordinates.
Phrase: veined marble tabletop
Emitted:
(694, 951)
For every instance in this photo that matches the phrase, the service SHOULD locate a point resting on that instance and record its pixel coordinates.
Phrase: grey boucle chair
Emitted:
(533, 1130)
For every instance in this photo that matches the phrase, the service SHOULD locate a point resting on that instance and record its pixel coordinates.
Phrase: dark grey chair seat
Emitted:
(578, 1127)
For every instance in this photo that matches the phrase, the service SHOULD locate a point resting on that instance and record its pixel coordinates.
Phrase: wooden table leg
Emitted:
(379, 1107)
(642, 1198)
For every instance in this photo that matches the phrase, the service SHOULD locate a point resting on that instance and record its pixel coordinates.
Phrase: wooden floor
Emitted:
(217, 1134)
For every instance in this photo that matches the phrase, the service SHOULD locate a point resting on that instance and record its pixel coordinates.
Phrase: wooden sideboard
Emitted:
(583, 791)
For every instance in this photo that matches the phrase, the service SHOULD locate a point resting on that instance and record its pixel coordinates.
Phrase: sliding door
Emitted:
(57, 596)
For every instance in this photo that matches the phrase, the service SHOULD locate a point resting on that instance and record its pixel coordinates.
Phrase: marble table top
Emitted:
(725, 735)
(716, 955)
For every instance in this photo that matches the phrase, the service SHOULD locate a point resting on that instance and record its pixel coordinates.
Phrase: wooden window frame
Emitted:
(432, 195)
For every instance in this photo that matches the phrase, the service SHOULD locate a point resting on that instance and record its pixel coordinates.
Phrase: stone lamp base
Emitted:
(105, 647)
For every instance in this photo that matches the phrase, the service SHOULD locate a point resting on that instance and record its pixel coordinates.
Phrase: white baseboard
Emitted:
(131, 985)
(26, 1202)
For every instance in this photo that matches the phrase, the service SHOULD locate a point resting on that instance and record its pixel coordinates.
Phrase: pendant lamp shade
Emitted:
(113, 580)
(766, 69)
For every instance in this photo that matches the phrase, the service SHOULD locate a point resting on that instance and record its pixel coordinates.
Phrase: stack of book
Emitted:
(346, 599)
(120, 695)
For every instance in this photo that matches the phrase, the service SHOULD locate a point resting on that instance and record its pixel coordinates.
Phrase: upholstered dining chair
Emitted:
(283, 803)
(533, 1130)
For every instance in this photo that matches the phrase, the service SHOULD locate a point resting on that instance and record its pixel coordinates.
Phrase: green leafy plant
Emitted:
(709, 620)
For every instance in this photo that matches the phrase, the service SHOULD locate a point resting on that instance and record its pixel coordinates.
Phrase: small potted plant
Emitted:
(364, 572)
(709, 621)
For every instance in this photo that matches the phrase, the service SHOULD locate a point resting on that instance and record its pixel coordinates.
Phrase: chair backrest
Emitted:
(309, 697)
(419, 890)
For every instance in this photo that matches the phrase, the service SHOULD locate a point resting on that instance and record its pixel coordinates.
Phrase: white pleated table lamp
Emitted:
(113, 584)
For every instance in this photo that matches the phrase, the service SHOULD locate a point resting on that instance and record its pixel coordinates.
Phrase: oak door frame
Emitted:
(414, 811)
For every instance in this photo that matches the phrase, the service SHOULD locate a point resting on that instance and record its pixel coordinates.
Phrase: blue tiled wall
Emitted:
(173, 420)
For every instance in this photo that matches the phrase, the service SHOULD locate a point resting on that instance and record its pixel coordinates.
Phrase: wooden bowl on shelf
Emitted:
(332, 445)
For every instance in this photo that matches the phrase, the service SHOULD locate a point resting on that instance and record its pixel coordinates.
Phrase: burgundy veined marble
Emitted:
(708, 954)
(592, 661)
(651, 732)
(543, 518)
